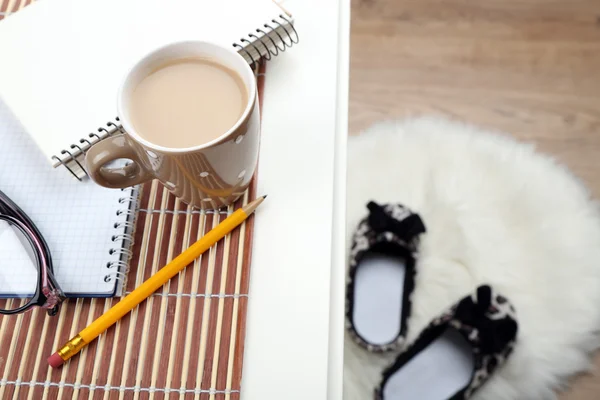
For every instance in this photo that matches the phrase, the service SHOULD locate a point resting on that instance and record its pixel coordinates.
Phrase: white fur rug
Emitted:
(496, 212)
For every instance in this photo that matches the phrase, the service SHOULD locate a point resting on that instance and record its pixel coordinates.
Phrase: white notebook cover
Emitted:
(63, 60)
(77, 219)
(297, 262)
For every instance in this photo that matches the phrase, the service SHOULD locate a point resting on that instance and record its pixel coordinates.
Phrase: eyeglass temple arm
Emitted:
(53, 293)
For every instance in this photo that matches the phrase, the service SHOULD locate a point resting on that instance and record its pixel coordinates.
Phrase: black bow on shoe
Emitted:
(406, 229)
(494, 334)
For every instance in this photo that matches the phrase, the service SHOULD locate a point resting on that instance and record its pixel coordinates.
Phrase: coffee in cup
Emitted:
(187, 102)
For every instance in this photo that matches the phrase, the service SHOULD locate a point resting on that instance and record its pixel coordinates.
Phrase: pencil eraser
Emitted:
(55, 360)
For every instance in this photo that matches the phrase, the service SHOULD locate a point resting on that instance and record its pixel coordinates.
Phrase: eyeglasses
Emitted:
(26, 271)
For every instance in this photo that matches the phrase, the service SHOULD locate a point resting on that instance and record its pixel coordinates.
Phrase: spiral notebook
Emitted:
(63, 60)
(88, 228)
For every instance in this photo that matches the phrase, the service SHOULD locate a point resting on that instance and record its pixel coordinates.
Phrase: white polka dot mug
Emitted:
(207, 176)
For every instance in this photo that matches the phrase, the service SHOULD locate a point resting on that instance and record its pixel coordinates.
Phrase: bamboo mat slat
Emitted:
(184, 342)
(8, 7)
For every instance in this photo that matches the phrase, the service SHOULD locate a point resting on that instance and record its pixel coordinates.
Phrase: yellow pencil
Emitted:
(106, 320)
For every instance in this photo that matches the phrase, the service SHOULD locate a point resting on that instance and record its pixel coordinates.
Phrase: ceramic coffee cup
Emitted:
(208, 175)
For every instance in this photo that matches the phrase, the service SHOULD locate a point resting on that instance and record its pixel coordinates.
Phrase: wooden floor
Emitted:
(528, 67)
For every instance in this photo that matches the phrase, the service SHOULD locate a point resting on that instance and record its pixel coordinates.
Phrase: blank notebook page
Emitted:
(77, 219)
(62, 61)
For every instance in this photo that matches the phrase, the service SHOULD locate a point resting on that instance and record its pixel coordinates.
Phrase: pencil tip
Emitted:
(250, 207)
(265, 196)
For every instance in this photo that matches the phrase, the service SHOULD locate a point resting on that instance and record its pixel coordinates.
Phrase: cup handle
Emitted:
(110, 149)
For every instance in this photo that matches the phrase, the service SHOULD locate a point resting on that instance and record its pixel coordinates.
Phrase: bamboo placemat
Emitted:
(185, 342)
(10, 6)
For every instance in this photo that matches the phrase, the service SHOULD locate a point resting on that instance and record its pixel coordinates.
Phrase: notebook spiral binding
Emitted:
(275, 36)
(118, 269)
(70, 158)
(267, 41)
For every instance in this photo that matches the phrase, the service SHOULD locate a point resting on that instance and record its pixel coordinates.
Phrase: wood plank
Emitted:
(529, 68)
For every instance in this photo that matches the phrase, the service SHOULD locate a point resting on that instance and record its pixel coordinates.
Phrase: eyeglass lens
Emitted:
(18, 267)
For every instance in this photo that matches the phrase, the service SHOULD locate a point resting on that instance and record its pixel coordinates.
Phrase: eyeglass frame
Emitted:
(48, 294)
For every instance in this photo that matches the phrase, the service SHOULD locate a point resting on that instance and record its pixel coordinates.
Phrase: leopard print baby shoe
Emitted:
(381, 276)
(457, 353)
